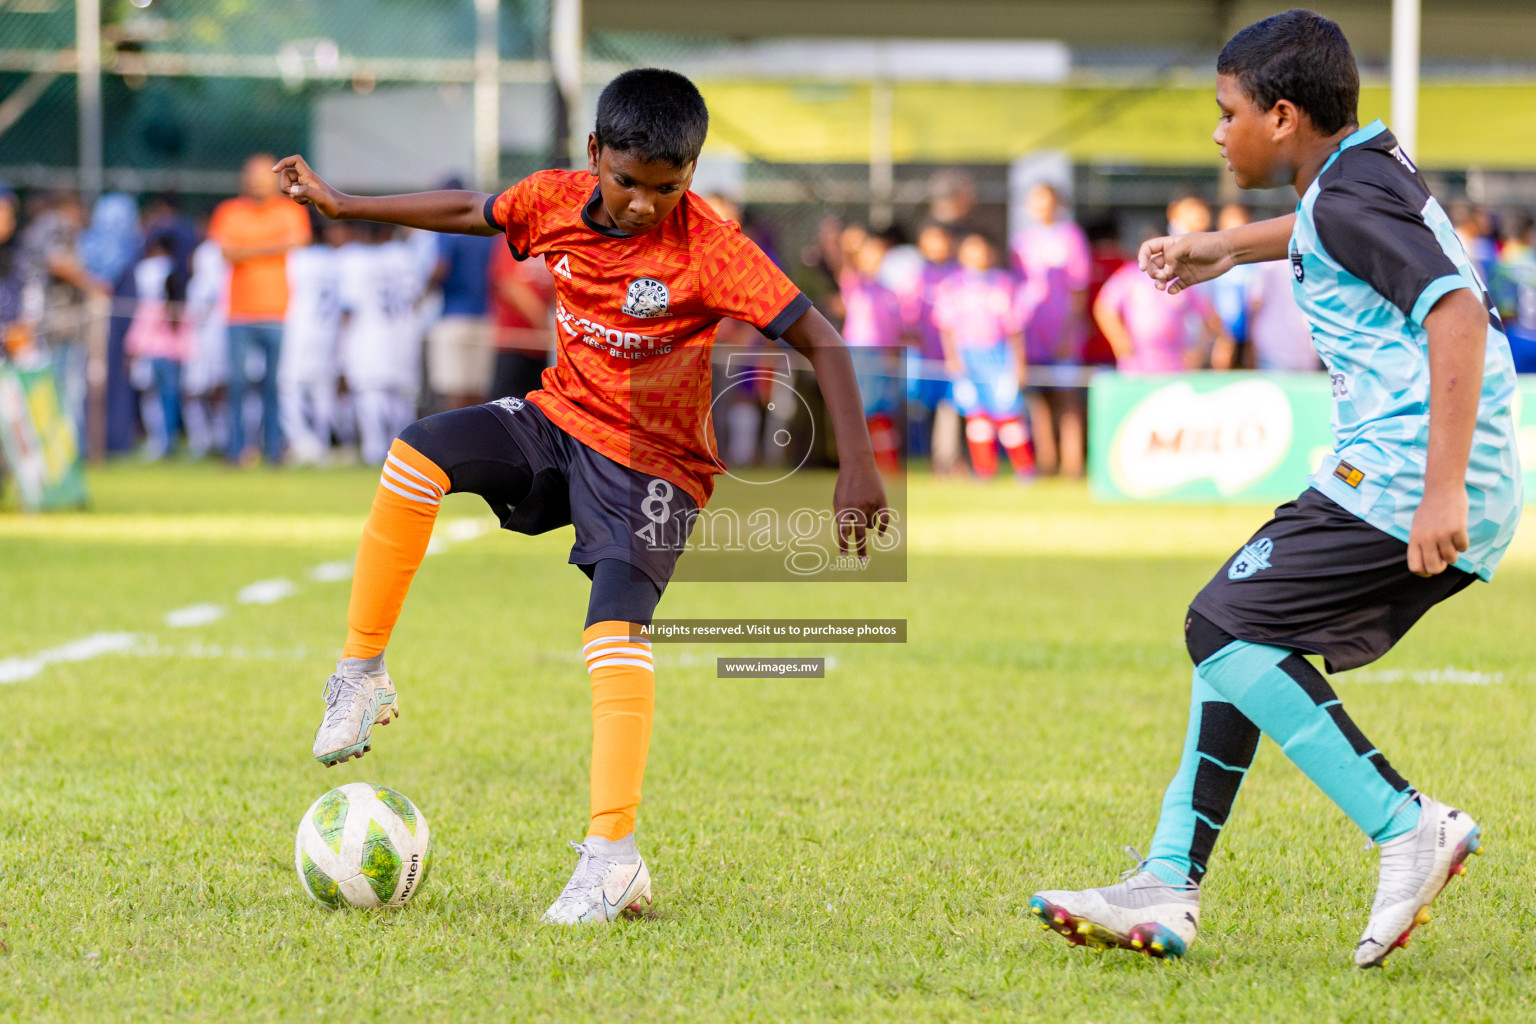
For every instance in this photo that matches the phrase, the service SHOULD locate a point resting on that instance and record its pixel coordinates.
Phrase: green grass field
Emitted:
(861, 846)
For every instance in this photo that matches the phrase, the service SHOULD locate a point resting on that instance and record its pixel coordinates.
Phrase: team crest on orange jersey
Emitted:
(647, 297)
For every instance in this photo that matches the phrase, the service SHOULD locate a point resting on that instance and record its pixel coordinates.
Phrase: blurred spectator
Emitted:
(460, 353)
(872, 327)
(256, 230)
(1476, 233)
(1107, 257)
(980, 317)
(822, 254)
(742, 419)
(1230, 292)
(56, 286)
(1279, 337)
(872, 312)
(110, 247)
(306, 373)
(207, 367)
(380, 281)
(928, 386)
(952, 201)
(1188, 213)
(1513, 284)
(163, 215)
(14, 339)
(850, 240)
(161, 336)
(110, 244)
(522, 294)
(1052, 255)
(1152, 331)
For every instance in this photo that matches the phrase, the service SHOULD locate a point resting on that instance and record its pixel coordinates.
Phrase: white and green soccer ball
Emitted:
(362, 845)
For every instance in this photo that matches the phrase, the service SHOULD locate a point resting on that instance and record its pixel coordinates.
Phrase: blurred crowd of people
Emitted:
(999, 338)
(262, 333)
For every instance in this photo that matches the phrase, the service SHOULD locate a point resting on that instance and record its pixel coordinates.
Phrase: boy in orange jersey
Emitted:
(617, 442)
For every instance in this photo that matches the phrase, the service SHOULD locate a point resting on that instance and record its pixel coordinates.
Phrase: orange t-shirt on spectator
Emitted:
(258, 288)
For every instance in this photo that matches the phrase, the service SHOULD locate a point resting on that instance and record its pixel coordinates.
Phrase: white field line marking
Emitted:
(150, 647)
(14, 670)
(267, 591)
(461, 530)
(194, 615)
(1451, 676)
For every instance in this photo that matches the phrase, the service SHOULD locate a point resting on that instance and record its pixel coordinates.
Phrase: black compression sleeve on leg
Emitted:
(1203, 638)
(620, 593)
(476, 452)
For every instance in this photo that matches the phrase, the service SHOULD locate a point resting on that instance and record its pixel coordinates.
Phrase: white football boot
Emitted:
(1415, 867)
(610, 878)
(1143, 914)
(358, 696)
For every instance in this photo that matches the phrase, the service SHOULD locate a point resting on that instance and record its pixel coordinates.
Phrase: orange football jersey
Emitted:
(635, 320)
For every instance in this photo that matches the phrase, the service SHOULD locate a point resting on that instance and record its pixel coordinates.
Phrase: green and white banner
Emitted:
(38, 439)
(1226, 437)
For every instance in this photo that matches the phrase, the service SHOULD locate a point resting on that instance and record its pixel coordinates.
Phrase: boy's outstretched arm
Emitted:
(859, 489)
(1458, 338)
(455, 212)
(1177, 262)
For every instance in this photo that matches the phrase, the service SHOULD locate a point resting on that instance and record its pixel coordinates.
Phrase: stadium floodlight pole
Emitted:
(1405, 75)
(565, 64)
(487, 94)
(88, 94)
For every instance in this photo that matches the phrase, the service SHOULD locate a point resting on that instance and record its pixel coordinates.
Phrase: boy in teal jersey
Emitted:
(1419, 497)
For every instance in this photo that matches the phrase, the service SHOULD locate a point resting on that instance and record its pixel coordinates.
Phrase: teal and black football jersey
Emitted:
(1371, 254)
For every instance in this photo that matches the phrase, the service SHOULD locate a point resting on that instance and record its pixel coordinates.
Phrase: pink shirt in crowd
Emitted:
(1054, 261)
(872, 312)
(979, 309)
(1277, 328)
(152, 334)
(1163, 327)
(917, 299)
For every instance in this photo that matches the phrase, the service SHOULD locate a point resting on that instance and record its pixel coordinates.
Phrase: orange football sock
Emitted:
(623, 705)
(394, 542)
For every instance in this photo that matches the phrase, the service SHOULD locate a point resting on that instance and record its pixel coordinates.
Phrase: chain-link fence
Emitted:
(189, 88)
(381, 95)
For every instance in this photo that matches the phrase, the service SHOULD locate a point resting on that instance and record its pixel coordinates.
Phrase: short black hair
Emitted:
(655, 114)
(1300, 56)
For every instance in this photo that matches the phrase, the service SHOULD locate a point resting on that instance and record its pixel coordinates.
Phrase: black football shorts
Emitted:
(1319, 579)
(618, 512)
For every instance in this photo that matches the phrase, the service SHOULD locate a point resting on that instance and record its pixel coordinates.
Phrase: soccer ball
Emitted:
(362, 845)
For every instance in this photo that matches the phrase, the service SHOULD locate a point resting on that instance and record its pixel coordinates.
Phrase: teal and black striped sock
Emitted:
(1284, 695)
(1218, 748)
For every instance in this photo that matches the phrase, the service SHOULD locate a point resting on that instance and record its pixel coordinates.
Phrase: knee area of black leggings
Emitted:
(1202, 637)
(620, 592)
(422, 439)
(474, 451)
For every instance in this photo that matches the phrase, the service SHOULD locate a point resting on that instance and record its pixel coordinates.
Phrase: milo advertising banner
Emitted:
(38, 440)
(1226, 437)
